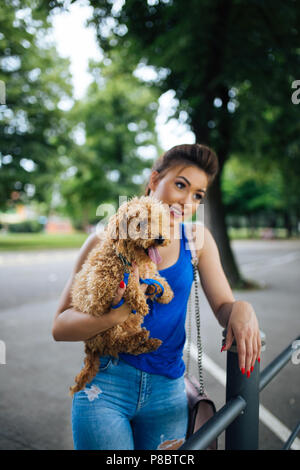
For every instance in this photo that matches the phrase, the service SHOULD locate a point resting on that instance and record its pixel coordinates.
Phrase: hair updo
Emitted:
(189, 154)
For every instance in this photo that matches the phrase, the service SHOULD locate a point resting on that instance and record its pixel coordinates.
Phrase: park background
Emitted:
(95, 91)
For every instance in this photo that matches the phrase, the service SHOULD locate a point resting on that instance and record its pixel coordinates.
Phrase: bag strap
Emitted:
(194, 299)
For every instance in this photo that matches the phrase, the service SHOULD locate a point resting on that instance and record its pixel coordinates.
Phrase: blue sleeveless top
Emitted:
(167, 321)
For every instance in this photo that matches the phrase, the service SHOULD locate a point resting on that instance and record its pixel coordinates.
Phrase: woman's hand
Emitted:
(243, 327)
(121, 313)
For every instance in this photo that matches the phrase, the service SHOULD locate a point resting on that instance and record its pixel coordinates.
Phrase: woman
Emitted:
(139, 402)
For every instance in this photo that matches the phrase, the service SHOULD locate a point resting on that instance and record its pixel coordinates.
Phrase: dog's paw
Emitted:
(141, 336)
(166, 297)
(152, 344)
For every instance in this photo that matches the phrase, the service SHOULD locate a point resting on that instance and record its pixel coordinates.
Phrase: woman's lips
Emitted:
(176, 216)
(175, 213)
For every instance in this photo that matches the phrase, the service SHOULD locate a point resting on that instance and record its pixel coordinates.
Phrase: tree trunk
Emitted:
(214, 212)
(214, 218)
(288, 224)
(214, 215)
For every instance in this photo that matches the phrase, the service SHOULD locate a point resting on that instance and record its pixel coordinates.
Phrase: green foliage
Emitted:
(209, 49)
(34, 129)
(231, 64)
(117, 119)
(246, 190)
(28, 226)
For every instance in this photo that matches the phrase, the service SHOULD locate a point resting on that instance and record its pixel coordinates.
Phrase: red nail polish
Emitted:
(223, 347)
(248, 374)
(243, 370)
(258, 359)
(122, 284)
(252, 369)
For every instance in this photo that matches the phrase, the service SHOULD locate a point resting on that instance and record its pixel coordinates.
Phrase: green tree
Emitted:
(249, 192)
(229, 62)
(269, 140)
(34, 131)
(117, 120)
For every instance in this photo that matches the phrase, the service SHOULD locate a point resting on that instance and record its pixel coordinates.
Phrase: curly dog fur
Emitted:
(139, 224)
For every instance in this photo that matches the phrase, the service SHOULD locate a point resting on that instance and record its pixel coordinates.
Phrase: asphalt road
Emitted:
(34, 381)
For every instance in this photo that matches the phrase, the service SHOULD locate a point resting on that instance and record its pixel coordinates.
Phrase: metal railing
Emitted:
(239, 417)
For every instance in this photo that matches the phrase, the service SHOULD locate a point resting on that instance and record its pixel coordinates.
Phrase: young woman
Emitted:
(139, 402)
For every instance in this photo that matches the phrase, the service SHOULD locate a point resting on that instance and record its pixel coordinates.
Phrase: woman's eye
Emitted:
(199, 197)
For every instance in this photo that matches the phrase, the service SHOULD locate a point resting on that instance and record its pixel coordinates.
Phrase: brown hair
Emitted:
(190, 154)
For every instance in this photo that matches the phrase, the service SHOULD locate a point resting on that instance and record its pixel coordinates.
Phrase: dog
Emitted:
(132, 234)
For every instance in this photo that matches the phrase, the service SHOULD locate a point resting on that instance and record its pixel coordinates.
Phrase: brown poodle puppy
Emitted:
(132, 234)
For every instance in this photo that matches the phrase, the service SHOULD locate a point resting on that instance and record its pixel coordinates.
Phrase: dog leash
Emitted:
(148, 281)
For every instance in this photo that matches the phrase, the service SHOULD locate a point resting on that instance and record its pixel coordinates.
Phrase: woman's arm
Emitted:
(72, 325)
(237, 315)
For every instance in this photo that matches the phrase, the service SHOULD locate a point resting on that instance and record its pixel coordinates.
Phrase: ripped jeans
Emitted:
(124, 408)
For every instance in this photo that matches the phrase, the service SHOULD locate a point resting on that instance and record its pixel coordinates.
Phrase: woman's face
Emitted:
(181, 187)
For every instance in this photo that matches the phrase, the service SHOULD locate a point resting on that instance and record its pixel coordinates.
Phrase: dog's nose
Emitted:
(160, 240)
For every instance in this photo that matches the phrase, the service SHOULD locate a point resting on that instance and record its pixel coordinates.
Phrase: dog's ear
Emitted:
(138, 211)
(138, 221)
(123, 227)
(118, 223)
(113, 228)
(121, 248)
(132, 220)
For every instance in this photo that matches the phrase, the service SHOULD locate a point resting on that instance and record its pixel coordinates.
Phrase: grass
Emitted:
(40, 241)
(47, 241)
(255, 234)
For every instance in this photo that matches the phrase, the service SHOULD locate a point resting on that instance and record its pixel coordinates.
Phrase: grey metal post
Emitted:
(242, 434)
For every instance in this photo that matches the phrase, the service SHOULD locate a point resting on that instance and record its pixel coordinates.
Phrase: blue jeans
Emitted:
(124, 408)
